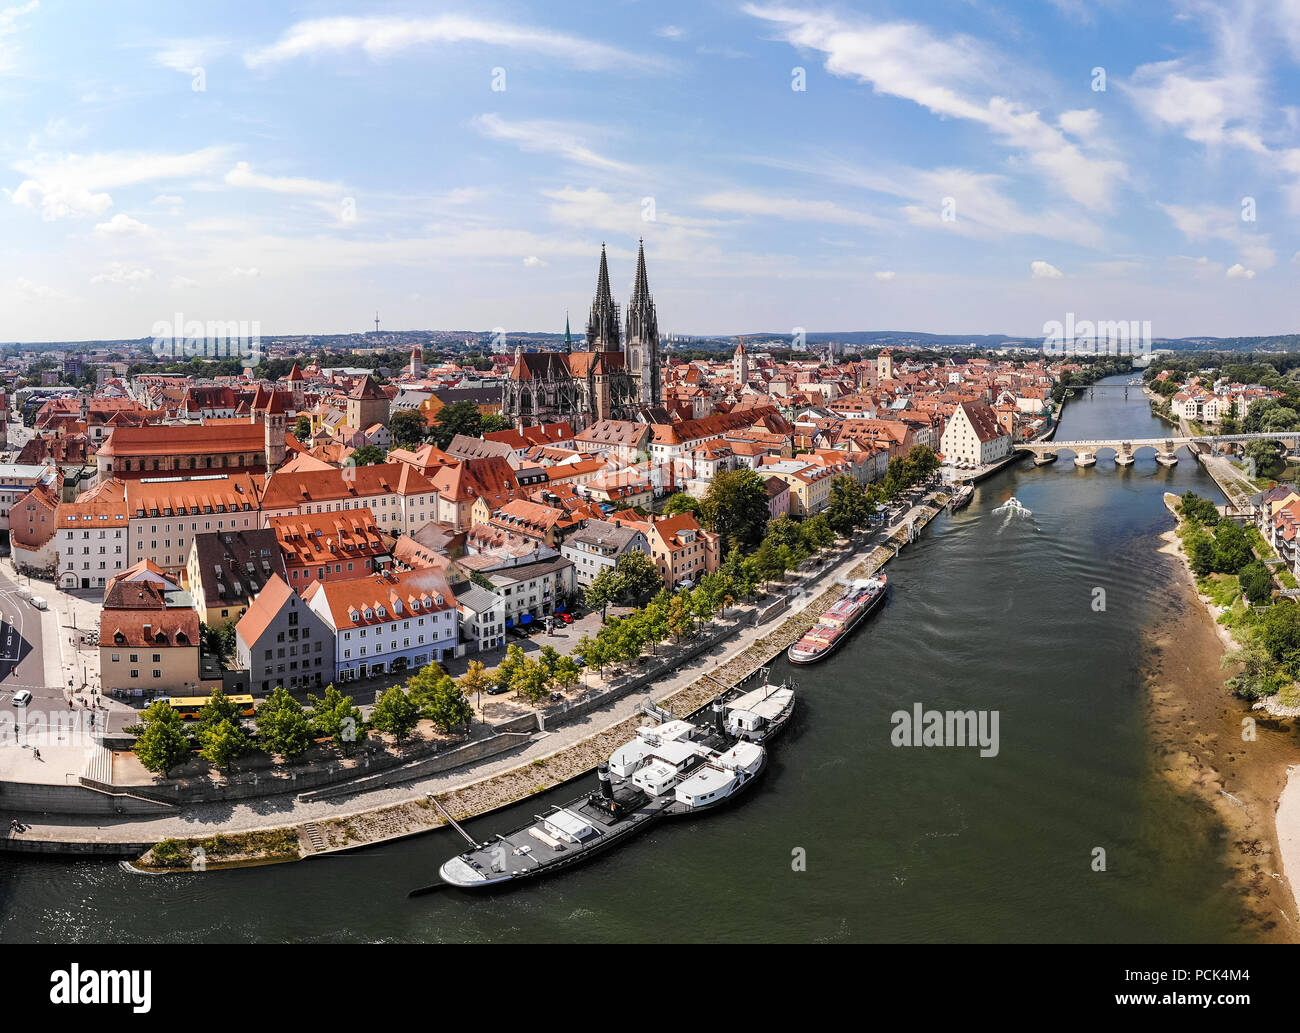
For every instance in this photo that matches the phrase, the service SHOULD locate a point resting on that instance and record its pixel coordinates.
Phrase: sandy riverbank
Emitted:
(1197, 730)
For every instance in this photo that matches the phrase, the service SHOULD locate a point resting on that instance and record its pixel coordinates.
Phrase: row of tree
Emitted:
(623, 639)
(284, 727)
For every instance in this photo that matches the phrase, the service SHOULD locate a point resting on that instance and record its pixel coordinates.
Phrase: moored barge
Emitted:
(834, 626)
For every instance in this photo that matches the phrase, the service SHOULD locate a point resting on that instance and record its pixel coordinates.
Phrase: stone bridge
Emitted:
(1166, 449)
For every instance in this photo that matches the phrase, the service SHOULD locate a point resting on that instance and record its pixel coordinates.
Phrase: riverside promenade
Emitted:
(347, 821)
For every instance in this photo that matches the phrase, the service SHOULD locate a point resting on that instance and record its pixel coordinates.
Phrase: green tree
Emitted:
(784, 531)
(302, 428)
(602, 591)
(334, 716)
(735, 507)
(475, 679)
(457, 418)
(218, 708)
(367, 455)
(282, 725)
(1201, 553)
(396, 713)
(593, 651)
(566, 674)
(223, 742)
(1202, 511)
(439, 698)
(679, 615)
(1259, 675)
(1231, 547)
(161, 741)
(532, 682)
(654, 620)
(1279, 634)
(1264, 452)
(407, 427)
(818, 533)
(680, 502)
(636, 577)
(1256, 582)
(493, 422)
(847, 508)
(511, 664)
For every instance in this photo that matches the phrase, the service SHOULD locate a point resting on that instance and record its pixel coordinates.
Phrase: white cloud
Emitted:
(76, 185)
(1211, 223)
(1208, 109)
(953, 78)
(245, 272)
(885, 275)
(38, 291)
(183, 282)
(121, 225)
(382, 37)
(547, 137)
(532, 261)
(670, 32)
(242, 175)
(9, 17)
(1240, 272)
(124, 275)
(1080, 123)
(184, 55)
(1041, 270)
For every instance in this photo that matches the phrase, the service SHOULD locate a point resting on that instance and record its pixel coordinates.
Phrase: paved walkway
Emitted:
(283, 810)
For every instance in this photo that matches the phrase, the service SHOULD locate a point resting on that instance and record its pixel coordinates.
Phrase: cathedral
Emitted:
(616, 377)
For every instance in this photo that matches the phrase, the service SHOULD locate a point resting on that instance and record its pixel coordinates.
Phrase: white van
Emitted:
(39, 602)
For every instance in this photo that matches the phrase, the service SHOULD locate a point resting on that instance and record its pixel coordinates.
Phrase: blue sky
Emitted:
(303, 165)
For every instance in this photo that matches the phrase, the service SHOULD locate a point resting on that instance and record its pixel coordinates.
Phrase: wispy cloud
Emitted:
(10, 18)
(77, 185)
(954, 77)
(243, 176)
(547, 137)
(382, 37)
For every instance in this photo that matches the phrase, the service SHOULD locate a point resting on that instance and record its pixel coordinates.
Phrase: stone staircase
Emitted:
(99, 766)
(314, 837)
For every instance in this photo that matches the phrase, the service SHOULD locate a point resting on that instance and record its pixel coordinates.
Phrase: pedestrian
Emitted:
(36, 753)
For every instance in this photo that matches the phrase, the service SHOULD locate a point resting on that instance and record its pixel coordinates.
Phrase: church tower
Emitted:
(274, 425)
(642, 346)
(417, 363)
(602, 324)
(885, 365)
(740, 366)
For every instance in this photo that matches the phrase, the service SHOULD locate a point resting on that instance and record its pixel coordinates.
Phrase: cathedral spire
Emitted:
(602, 324)
(643, 335)
(568, 338)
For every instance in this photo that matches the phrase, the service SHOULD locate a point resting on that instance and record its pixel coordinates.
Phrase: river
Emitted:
(988, 611)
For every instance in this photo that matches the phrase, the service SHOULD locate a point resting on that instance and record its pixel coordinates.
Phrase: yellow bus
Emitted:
(189, 707)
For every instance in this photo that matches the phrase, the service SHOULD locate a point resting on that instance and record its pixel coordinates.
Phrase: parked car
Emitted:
(567, 618)
(496, 690)
(22, 697)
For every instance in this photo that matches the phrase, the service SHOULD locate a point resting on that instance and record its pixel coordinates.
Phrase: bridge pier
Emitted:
(1124, 456)
(1044, 458)
(1085, 459)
